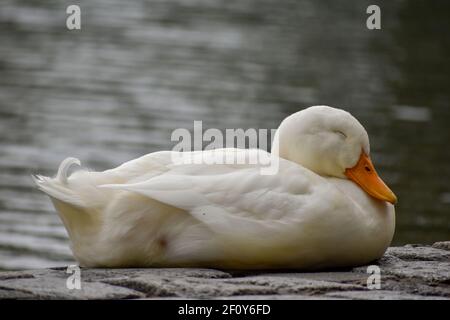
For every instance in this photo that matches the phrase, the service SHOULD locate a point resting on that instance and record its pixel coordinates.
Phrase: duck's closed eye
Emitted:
(340, 133)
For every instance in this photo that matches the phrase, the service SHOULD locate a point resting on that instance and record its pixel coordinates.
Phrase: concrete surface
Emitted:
(408, 272)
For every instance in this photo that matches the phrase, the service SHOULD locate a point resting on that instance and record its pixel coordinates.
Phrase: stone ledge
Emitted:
(408, 272)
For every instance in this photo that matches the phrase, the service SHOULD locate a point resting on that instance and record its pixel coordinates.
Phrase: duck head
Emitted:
(331, 142)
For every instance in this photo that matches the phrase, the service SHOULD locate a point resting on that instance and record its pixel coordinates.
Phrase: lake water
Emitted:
(136, 71)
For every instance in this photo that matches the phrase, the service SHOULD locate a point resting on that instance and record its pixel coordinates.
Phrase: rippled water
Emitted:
(137, 70)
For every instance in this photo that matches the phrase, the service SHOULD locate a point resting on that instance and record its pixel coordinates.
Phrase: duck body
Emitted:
(152, 212)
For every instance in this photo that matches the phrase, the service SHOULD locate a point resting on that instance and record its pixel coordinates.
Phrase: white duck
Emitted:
(326, 206)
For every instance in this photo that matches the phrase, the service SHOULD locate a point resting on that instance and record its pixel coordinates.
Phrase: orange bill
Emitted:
(364, 174)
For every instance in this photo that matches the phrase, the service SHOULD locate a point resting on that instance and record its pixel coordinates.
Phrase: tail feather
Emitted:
(57, 187)
(75, 199)
(61, 176)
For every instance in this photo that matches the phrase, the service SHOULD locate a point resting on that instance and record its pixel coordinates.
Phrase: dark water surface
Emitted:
(137, 70)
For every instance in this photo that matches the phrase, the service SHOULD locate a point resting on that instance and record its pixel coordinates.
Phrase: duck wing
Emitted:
(236, 200)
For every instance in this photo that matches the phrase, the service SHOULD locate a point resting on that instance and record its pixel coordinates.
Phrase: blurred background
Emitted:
(137, 70)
